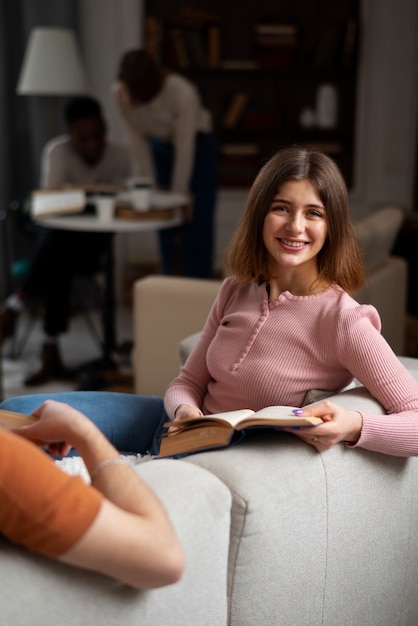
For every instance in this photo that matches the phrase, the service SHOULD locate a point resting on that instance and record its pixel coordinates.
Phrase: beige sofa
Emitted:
(169, 309)
(275, 534)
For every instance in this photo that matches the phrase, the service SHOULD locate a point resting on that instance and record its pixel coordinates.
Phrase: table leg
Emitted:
(109, 332)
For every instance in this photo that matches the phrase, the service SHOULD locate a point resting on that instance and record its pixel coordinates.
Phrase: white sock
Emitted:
(14, 303)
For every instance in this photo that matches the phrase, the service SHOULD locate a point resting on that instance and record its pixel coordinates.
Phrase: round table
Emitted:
(161, 201)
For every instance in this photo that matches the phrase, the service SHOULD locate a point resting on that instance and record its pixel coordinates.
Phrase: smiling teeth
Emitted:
(293, 244)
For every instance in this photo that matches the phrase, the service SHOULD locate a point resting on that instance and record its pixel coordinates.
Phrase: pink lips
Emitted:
(293, 245)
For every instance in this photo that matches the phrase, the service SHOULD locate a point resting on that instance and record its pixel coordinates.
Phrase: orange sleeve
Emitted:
(41, 506)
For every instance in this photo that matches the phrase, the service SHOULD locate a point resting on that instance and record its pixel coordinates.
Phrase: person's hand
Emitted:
(58, 428)
(183, 412)
(339, 425)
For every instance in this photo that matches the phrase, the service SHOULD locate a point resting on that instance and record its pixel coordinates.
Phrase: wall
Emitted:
(386, 105)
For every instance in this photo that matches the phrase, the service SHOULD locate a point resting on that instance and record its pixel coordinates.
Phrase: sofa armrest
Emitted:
(386, 289)
(317, 536)
(37, 590)
(166, 309)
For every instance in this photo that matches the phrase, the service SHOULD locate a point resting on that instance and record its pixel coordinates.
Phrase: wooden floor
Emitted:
(78, 348)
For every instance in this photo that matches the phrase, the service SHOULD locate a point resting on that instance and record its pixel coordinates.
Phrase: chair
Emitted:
(18, 235)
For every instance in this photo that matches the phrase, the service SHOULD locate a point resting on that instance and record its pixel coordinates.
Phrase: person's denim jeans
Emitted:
(133, 423)
(189, 249)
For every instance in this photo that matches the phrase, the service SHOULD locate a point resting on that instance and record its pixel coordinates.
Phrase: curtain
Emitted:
(24, 120)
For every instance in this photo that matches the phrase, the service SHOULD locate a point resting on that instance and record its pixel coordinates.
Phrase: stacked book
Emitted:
(276, 45)
(190, 39)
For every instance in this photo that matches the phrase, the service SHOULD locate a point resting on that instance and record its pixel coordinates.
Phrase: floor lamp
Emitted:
(52, 67)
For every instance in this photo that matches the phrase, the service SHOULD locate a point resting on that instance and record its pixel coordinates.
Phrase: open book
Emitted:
(48, 202)
(222, 429)
(10, 419)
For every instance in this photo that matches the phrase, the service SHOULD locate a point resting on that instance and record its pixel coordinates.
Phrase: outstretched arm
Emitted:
(340, 424)
(131, 538)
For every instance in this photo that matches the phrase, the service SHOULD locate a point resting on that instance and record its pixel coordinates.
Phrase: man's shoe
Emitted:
(8, 321)
(50, 367)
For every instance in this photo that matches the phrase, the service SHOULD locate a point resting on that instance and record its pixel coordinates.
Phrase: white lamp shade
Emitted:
(52, 64)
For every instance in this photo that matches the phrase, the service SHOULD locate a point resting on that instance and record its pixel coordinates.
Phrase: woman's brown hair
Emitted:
(141, 75)
(339, 260)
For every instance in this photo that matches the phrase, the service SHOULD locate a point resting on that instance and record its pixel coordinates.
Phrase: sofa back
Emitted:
(319, 538)
(36, 590)
(166, 309)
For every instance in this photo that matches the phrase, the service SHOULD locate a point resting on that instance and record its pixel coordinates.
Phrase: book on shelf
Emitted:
(349, 43)
(327, 51)
(259, 120)
(238, 64)
(233, 149)
(179, 45)
(196, 45)
(276, 45)
(269, 58)
(236, 109)
(328, 147)
(197, 15)
(289, 30)
(153, 37)
(223, 429)
(238, 169)
(214, 46)
(196, 38)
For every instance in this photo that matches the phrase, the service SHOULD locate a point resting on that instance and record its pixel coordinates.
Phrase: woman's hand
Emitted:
(59, 427)
(183, 412)
(339, 425)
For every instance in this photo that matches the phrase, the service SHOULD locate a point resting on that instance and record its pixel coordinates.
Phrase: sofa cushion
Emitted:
(35, 588)
(319, 538)
(376, 235)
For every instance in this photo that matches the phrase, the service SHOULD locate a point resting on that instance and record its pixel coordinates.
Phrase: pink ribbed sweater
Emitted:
(253, 354)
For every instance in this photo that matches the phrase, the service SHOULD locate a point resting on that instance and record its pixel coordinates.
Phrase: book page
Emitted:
(271, 415)
(276, 412)
(279, 416)
(229, 418)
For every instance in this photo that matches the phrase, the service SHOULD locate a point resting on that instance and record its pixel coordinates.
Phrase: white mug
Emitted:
(105, 207)
(140, 194)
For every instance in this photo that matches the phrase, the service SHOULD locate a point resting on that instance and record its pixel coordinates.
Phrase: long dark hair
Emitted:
(141, 75)
(339, 260)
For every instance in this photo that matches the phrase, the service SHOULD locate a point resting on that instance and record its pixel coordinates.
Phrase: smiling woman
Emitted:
(283, 324)
(294, 233)
(339, 259)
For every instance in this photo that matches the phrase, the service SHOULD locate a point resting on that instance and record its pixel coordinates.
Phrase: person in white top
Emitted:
(84, 156)
(170, 134)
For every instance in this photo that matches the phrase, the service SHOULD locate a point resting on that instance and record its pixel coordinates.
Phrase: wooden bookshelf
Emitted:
(258, 67)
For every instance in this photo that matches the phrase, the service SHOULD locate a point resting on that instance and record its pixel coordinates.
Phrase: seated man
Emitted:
(83, 157)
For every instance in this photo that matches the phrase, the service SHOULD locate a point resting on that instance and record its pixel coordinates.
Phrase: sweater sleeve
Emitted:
(367, 355)
(191, 385)
(138, 144)
(187, 109)
(41, 507)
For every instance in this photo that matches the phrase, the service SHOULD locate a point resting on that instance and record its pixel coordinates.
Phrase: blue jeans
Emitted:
(189, 249)
(132, 423)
